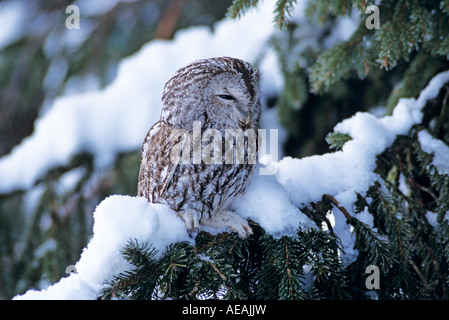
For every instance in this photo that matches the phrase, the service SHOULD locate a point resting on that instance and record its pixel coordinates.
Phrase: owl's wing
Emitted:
(146, 181)
(157, 166)
(178, 141)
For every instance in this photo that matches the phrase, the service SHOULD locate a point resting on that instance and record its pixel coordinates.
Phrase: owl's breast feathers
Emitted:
(205, 188)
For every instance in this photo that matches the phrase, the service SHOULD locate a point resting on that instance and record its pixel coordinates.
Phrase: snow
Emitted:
(436, 147)
(345, 173)
(116, 119)
(343, 29)
(267, 203)
(117, 219)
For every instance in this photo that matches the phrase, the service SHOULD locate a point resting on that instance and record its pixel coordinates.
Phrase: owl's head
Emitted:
(224, 91)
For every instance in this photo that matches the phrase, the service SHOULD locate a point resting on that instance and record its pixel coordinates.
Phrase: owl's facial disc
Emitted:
(228, 100)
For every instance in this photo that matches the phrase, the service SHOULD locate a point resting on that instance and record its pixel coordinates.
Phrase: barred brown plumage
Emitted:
(220, 94)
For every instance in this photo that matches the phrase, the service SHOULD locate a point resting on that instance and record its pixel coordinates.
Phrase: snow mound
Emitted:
(267, 203)
(117, 220)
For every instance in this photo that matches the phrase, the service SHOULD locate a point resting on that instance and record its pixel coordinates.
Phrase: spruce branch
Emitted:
(421, 18)
(444, 113)
(239, 7)
(139, 254)
(336, 140)
(336, 62)
(195, 289)
(282, 11)
(398, 230)
(322, 251)
(339, 206)
(213, 265)
(289, 275)
(317, 207)
(444, 6)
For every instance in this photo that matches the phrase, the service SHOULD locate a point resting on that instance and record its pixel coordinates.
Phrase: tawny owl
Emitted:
(215, 95)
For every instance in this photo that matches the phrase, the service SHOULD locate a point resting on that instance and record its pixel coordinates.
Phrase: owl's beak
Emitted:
(246, 124)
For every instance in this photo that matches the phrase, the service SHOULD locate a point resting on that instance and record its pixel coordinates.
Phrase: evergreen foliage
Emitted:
(408, 204)
(376, 66)
(407, 237)
(408, 241)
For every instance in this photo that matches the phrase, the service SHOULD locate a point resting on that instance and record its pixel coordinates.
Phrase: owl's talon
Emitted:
(230, 220)
(244, 230)
(248, 231)
(192, 232)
